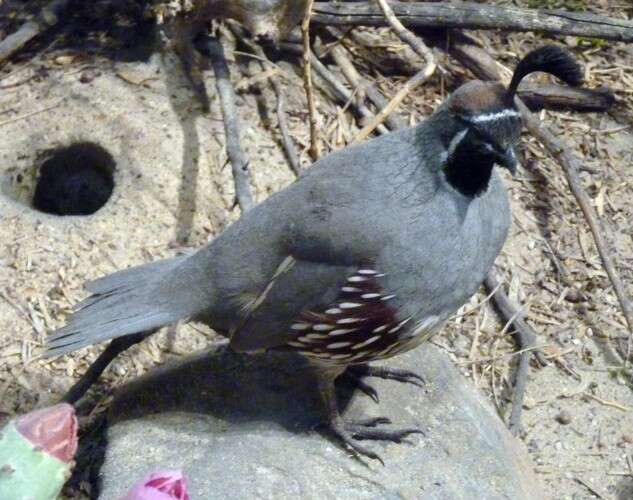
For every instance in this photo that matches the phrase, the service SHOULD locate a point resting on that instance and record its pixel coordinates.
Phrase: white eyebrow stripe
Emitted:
(506, 113)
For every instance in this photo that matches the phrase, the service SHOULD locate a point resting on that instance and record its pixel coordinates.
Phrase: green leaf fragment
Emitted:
(26, 472)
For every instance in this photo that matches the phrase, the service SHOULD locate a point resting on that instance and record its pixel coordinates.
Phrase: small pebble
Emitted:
(564, 417)
(574, 296)
(64, 60)
(88, 76)
(529, 403)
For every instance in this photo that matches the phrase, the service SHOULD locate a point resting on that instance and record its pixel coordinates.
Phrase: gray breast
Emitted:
(446, 252)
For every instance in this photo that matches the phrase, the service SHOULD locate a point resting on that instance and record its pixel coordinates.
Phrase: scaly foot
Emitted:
(354, 375)
(350, 432)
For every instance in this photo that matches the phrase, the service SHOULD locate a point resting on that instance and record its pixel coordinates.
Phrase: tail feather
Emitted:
(122, 303)
(127, 277)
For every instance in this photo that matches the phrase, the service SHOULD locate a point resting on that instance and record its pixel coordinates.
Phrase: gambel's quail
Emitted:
(362, 258)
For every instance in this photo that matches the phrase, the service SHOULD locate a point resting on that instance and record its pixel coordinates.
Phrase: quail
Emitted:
(362, 258)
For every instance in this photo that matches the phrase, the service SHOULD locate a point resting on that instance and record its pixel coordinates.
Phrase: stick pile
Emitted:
(425, 28)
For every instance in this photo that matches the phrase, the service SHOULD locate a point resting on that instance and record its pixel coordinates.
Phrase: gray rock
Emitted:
(242, 426)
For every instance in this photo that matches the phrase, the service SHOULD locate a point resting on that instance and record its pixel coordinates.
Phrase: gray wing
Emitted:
(302, 286)
(339, 314)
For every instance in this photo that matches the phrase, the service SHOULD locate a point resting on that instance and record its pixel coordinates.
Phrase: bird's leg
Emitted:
(116, 347)
(349, 432)
(355, 375)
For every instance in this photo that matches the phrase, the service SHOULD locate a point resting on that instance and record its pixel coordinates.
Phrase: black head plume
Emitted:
(551, 59)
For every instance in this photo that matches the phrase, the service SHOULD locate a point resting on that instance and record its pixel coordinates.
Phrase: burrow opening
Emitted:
(74, 180)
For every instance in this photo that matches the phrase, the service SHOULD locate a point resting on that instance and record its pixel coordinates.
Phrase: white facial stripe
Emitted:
(506, 113)
(455, 141)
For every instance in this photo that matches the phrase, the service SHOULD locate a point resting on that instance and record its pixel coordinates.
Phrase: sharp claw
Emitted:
(358, 383)
(373, 394)
(395, 374)
(348, 441)
(361, 451)
(368, 390)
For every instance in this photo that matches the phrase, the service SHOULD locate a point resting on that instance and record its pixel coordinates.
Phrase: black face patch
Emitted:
(469, 166)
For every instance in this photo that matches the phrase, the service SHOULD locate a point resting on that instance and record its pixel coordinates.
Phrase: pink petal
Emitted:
(142, 492)
(162, 485)
(52, 429)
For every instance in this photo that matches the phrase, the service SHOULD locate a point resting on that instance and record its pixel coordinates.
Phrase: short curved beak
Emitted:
(509, 160)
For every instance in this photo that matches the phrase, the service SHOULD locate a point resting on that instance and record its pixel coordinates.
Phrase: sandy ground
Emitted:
(174, 189)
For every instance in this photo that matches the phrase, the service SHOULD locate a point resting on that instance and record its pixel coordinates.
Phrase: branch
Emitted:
(559, 98)
(307, 82)
(98, 366)
(211, 47)
(525, 338)
(419, 78)
(286, 140)
(559, 150)
(48, 18)
(472, 15)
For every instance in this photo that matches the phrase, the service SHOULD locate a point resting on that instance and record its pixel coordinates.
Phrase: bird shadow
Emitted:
(232, 387)
(219, 383)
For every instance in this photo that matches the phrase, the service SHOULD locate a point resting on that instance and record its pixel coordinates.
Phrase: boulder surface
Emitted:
(246, 426)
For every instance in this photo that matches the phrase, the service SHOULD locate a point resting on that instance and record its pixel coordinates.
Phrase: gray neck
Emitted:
(444, 126)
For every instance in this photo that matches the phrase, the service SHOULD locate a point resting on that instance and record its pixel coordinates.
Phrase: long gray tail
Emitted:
(122, 303)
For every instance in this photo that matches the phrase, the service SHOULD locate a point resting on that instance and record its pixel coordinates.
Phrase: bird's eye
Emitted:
(484, 136)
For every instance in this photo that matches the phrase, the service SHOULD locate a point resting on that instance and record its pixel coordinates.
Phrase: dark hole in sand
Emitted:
(75, 180)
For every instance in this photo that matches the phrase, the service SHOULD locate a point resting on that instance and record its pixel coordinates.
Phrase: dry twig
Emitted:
(212, 48)
(339, 54)
(28, 115)
(341, 92)
(98, 366)
(525, 337)
(420, 77)
(287, 142)
(307, 82)
(558, 98)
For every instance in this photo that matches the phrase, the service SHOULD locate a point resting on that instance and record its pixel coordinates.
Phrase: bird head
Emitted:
(488, 122)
